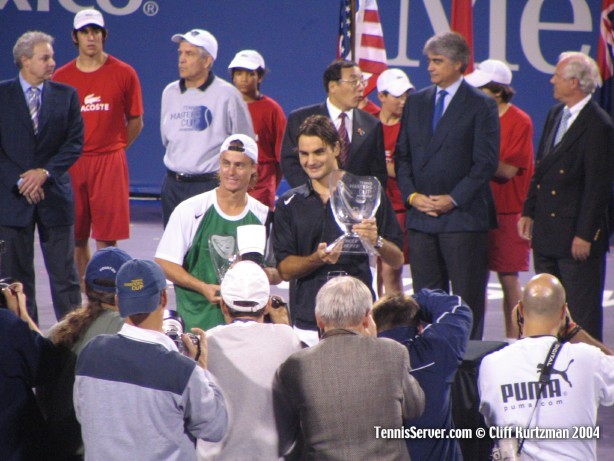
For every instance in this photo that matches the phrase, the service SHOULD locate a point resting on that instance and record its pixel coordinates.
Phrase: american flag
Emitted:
(369, 48)
(605, 56)
(344, 47)
(462, 22)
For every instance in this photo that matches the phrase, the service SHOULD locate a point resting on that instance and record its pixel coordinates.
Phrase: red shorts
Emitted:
(401, 219)
(102, 193)
(507, 251)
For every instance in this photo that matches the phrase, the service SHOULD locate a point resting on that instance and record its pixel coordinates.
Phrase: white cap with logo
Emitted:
(249, 148)
(491, 70)
(394, 81)
(201, 38)
(88, 17)
(247, 59)
(245, 287)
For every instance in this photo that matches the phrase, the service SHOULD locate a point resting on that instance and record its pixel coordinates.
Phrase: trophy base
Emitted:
(351, 244)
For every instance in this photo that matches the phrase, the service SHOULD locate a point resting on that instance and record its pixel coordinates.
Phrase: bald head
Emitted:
(543, 296)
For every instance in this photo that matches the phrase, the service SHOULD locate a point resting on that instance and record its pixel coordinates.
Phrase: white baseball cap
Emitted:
(245, 287)
(491, 70)
(394, 81)
(247, 59)
(201, 38)
(250, 148)
(88, 17)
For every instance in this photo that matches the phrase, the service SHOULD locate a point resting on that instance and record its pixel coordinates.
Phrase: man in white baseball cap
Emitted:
(491, 70)
(243, 356)
(193, 138)
(508, 253)
(112, 108)
(205, 222)
(247, 70)
(393, 86)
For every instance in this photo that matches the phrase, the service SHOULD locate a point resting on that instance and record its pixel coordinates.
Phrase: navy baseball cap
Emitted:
(102, 269)
(139, 283)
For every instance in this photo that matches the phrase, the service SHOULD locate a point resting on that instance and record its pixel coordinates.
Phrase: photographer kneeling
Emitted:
(149, 388)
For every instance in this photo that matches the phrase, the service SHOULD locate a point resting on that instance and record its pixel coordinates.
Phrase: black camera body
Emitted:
(173, 327)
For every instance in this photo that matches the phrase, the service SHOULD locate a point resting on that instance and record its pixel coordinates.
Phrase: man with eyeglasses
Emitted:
(362, 151)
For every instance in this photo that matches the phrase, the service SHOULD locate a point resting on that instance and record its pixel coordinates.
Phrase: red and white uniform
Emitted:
(108, 96)
(391, 133)
(507, 251)
(269, 123)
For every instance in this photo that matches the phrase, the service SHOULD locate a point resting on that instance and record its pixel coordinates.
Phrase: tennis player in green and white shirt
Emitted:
(183, 252)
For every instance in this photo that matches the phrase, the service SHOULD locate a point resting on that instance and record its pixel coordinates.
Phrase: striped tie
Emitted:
(562, 126)
(34, 104)
(345, 140)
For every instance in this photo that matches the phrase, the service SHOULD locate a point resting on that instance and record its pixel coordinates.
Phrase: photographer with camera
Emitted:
(99, 316)
(435, 328)
(244, 355)
(157, 400)
(27, 360)
(544, 381)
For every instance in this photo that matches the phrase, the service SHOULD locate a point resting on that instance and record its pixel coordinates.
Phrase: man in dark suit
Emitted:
(41, 136)
(363, 153)
(447, 152)
(565, 213)
(351, 390)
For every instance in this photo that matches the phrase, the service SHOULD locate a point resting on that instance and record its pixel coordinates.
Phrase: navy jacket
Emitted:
(435, 355)
(571, 186)
(366, 157)
(458, 159)
(56, 147)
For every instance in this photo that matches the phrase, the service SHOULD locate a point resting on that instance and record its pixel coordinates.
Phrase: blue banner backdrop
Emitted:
(297, 40)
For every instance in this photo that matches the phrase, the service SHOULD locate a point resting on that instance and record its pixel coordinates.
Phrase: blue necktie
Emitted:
(439, 104)
(562, 126)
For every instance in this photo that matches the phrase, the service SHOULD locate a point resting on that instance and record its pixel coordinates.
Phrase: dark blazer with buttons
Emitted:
(366, 157)
(458, 159)
(571, 188)
(55, 148)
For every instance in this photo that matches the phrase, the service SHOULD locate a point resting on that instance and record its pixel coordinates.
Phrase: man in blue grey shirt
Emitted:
(135, 395)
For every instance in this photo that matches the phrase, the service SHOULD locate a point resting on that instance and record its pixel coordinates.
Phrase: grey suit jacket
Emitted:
(366, 157)
(344, 387)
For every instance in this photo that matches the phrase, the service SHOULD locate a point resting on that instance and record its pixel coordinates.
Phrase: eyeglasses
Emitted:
(355, 82)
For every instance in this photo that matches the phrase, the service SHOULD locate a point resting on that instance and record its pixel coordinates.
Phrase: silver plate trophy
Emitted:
(223, 251)
(353, 198)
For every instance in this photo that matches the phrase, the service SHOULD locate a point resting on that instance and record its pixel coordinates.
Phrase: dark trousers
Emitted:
(58, 248)
(174, 192)
(583, 282)
(456, 262)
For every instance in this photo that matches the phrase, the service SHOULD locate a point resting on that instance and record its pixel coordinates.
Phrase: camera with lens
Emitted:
(5, 283)
(173, 327)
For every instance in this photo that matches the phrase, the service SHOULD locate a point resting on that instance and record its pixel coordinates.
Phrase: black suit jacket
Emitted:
(366, 157)
(56, 147)
(458, 159)
(571, 187)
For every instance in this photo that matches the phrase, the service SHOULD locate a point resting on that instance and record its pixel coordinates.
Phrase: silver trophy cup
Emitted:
(353, 198)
